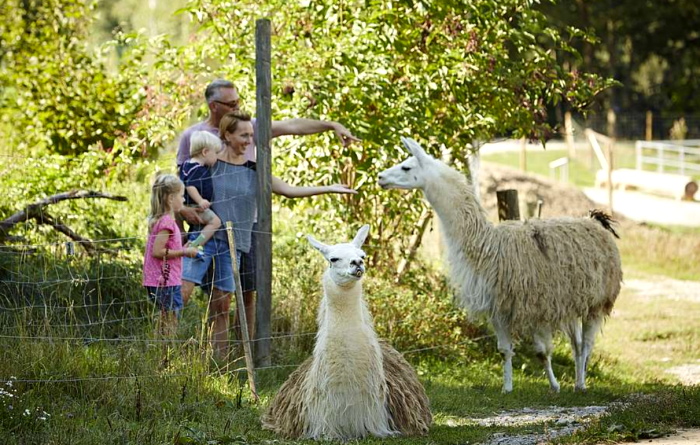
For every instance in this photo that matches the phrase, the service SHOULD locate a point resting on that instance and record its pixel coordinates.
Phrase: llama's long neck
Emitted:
(342, 307)
(463, 219)
(345, 389)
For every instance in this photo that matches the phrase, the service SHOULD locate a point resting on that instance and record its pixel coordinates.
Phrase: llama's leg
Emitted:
(544, 347)
(574, 331)
(591, 326)
(505, 347)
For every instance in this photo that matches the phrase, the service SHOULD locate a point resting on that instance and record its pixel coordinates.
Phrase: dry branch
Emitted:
(37, 212)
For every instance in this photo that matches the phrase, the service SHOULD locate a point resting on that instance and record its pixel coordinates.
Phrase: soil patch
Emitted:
(558, 199)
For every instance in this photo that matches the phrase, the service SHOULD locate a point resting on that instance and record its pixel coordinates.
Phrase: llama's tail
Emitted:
(604, 219)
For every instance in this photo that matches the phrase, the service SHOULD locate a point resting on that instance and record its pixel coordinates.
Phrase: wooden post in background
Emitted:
(569, 129)
(508, 207)
(523, 154)
(263, 239)
(612, 120)
(610, 144)
(649, 133)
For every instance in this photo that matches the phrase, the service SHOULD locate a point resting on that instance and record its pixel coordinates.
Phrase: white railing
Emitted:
(681, 156)
(562, 164)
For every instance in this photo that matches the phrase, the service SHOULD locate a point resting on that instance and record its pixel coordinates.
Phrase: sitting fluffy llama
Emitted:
(354, 385)
(529, 278)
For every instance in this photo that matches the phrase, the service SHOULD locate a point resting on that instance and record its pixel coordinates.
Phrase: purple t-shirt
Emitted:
(153, 270)
(183, 150)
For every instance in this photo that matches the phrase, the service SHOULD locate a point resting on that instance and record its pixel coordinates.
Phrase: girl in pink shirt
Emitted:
(162, 262)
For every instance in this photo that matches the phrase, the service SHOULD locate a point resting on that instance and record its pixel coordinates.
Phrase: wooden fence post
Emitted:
(612, 121)
(523, 154)
(610, 145)
(649, 133)
(508, 207)
(263, 239)
(242, 319)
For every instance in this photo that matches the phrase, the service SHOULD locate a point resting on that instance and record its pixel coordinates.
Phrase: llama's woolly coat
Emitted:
(529, 278)
(354, 385)
(406, 402)
(541, 271)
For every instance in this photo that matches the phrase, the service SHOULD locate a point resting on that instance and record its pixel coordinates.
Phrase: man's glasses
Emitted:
(232, 104)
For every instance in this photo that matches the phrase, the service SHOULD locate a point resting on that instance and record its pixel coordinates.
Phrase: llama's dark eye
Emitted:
(333, 260)
(406, 169)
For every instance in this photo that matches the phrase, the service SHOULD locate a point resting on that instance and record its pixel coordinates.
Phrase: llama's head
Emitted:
(346, 261)
(411, 173)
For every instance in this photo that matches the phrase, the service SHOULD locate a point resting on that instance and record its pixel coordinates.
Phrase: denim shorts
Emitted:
(167, 298)
(213, 268)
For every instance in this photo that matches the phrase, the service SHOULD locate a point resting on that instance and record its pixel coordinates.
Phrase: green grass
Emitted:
(582, 168)
(668, 251)
(114, 392)
(191, 402)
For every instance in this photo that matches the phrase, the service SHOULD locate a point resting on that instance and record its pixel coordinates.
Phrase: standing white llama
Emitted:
(529, 278)
(354, 385)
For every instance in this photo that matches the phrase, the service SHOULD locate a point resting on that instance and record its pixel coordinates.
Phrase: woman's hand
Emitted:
(340, 188)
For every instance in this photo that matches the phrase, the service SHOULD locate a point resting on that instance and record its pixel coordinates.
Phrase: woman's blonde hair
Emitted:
(201, 140)
(165, 185)
(229, 122)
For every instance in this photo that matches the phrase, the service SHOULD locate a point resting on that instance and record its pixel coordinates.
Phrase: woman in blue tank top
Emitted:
(235, 190)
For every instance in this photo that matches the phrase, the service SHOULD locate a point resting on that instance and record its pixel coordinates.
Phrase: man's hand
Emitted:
(340, 188)
(346, 138)
(204, 204)
(191, 215)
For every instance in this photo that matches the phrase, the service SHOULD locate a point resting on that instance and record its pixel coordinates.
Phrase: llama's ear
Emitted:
(415, 149)
(361, 236)
(318, 245)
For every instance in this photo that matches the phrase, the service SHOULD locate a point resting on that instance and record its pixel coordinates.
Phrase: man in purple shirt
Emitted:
(222, 97)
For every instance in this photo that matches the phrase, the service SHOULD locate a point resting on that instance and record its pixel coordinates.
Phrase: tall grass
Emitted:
(82, 364)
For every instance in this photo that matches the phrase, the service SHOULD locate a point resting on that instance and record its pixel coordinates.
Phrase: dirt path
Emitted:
(568, 420)
(655, 288)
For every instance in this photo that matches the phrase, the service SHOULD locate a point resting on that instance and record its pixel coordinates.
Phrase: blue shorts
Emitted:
(212, 269)
(168, 298)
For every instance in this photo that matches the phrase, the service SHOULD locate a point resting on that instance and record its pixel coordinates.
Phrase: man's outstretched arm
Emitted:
(300, 127)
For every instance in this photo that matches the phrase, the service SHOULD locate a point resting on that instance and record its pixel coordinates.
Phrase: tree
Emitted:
(57, 92)
(447, 72)
(650, 47)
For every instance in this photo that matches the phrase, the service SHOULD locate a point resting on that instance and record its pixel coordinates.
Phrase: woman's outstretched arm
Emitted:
(290, 191)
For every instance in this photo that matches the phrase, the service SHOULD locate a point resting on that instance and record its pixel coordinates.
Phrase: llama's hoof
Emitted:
(581, 389)
(506, 390)
(554, 389)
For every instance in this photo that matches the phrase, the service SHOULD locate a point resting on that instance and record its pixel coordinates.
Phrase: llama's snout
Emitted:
(359, 271)
(358, 268)
(382, 181)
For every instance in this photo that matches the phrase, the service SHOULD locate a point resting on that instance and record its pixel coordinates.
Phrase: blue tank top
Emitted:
(235, 200)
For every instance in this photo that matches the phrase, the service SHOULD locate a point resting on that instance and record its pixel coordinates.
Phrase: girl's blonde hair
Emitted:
(201, 140)
(164, 186)
(229, 122)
